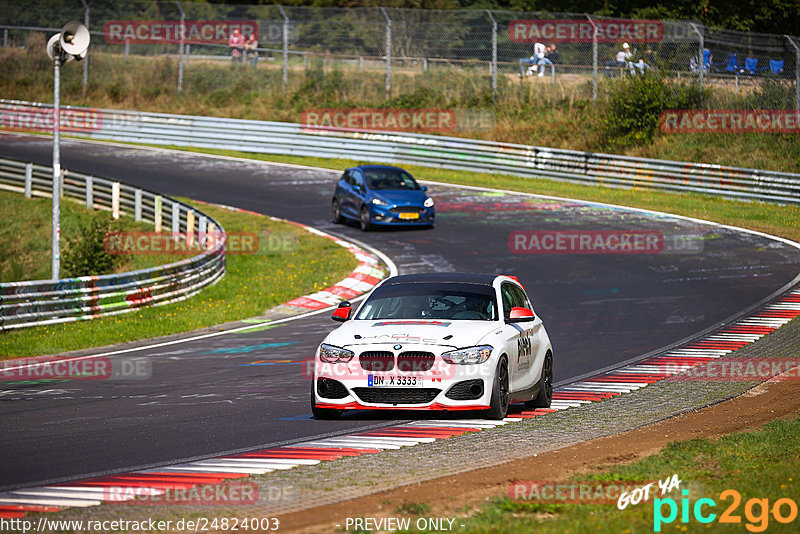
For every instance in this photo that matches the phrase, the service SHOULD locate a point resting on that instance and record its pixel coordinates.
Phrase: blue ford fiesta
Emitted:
(380, 195)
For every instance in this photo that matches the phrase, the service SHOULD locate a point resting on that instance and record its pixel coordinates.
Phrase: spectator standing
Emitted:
(236, 42)
(251, 49)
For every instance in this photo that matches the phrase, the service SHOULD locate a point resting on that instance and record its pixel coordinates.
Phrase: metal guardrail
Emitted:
(41, 302)
(417, 149)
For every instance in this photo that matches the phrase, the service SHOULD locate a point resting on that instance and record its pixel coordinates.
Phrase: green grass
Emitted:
(782, 221)
(25, 236)
(761, 464)
(252, 284)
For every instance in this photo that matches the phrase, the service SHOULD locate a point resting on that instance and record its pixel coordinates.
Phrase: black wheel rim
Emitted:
(502, 383)
(335, 209)
(548, 376)
(364, 218)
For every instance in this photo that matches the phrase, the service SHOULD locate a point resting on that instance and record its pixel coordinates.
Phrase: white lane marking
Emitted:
(11, 500)
(208, 470)
(254, 465)
(295, 461)
(105, 494)
(351, 445)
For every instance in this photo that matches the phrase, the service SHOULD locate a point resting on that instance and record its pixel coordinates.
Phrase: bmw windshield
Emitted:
(453, 301)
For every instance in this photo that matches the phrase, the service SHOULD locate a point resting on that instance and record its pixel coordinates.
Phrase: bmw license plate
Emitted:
(394, 381)
(409, 215)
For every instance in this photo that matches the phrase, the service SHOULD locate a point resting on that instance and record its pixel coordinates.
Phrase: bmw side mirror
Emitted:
(424, 188)
(518, 315)
(342, 313)
(357, 188)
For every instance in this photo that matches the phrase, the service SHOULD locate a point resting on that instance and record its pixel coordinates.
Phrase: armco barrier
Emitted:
(427, 150)
(41, 302)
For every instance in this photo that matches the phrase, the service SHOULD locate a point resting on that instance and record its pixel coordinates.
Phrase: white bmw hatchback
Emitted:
(443, 341)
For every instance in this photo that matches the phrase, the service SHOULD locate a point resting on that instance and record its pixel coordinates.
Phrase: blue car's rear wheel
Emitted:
(336, 209)
(365, 220)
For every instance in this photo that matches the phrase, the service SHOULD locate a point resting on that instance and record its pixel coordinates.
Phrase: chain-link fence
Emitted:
(402, 56)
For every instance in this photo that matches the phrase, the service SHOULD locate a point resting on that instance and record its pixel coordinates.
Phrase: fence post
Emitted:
(28, 179)
(127, 49)
(388, 50)
(700, 62)
(285, 47)
(180, 46)
(796, 73)
(189, 227)
(115, 200)
(5, 38)
(137, 205)
(89, 192)
(85, 59)
(202, 228)
(493, 68)
(176, 220)
(594, 58)
(157, 215)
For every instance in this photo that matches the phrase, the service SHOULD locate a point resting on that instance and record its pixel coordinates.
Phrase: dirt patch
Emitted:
(769, 401)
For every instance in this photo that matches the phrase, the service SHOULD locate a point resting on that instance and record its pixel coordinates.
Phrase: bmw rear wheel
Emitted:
(499, 403)
(545, 396)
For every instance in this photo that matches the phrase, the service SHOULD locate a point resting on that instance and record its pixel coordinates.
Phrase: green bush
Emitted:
(84, 254)
(632, 114)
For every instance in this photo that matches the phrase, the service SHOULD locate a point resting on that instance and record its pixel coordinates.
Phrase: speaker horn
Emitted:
(74, 38)
(53, 47)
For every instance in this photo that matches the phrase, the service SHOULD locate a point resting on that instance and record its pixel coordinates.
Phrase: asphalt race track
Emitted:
(247, 390)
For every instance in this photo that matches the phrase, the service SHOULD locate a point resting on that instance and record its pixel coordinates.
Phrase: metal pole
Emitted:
(700, 58)
(594, 58)
(86, 59)
(494, 54)
(5, 38)
(796, 73)
(56, 222)
(180, 51)
(285, 47)
(388, 50)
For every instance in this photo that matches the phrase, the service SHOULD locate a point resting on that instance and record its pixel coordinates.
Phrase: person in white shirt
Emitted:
(540, 58)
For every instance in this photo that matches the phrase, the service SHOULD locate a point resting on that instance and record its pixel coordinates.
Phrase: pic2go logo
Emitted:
(756, 511)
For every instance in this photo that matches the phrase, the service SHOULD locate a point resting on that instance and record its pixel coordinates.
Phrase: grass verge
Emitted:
(251, 285)
(761, 466)
(773, 219)
(25, 236)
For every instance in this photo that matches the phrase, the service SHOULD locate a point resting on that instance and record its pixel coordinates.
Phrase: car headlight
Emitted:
(379, 202)
(331, 354)
(469, 355)
(428, 202)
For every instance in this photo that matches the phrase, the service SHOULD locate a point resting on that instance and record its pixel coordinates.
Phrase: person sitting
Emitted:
(539, 59)
(640, 67)
(553, 54)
